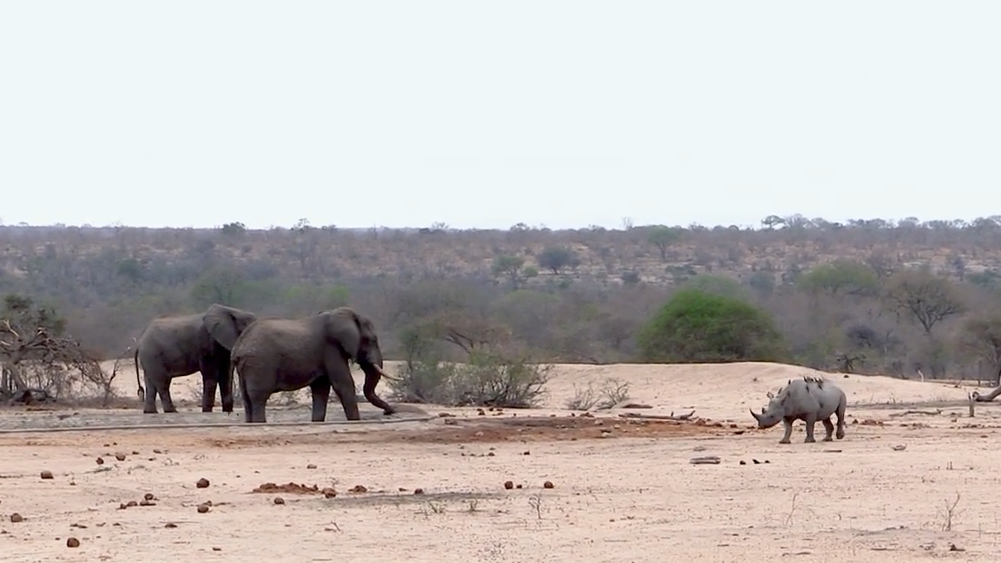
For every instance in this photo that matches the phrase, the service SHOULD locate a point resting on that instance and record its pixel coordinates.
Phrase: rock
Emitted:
(72, 542)
(120, 456)
(329, 492)
(279, 500)
(99, 460)
(418, 491)
(548, 485)
(202, 483)
(311, 466)
(203, 508)
(508, 485)
(359, 489)
(15, 518)
(46, 474)
(170, 525)
(131, 503)
(149, 496)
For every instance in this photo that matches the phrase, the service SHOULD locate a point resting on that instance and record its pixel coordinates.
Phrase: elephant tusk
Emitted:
(384, 374)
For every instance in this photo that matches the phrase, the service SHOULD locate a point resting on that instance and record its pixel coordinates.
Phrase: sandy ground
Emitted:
(901, 486)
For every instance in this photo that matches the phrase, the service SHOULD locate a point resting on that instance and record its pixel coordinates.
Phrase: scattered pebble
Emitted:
(548, 485)
(46, 474)
(279, 500)
(99, 460)
(15, 518)
(202, 483)
(508, 485)
(311, 466)
(72, 542)
(203, 508)
(171, 524)
(418, 491)
(705, 460)
(120, 456)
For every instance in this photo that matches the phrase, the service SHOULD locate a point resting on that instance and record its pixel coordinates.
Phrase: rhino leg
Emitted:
(841, 416)
(811, 419)
(788, 427)
(829, 428)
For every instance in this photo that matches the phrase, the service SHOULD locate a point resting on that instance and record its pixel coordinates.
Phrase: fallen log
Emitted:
(936, 412)
(671, 416)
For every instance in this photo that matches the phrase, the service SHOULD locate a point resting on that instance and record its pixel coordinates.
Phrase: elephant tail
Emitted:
(135, 358)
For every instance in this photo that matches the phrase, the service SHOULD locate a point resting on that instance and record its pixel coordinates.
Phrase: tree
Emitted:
(510, 267)
(663, 237)
(556, 258)
(846, 277)
(36, 355)
(923, 296)
(695, 326)
(981, 338)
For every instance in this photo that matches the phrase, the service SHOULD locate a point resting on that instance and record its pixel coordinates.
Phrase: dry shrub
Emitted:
(487, 379)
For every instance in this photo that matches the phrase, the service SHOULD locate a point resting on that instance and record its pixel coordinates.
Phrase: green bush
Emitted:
(695, 326)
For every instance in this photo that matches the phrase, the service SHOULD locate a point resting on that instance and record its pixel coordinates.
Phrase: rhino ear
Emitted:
(771, 395)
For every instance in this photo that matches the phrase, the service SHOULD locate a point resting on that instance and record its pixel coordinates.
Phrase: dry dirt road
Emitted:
(902, 486)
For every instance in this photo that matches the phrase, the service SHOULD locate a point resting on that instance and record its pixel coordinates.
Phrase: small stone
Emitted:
(548, 485)
(149, 496)
(508, 485)
(99, 460)
(72, 542)
(742, 462)
(157, 452)
(15, 518)
(329, 492)
(279, 500)
(527, 453)
(311, 466)
(46, 474)
(216, 549)
(359, 489)
(203, 508)
(131, 503)
(418, 491)
(202, 483)
(120, 456)
(170, 525)
(145, 502)
(518, 486)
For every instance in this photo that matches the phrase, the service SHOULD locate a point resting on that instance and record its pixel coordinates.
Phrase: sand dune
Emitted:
(718, 391)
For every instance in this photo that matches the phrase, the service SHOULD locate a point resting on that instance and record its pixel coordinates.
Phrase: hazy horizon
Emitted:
(476, 115)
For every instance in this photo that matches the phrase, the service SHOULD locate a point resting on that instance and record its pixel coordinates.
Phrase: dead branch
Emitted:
(658, 416)
(936, 412)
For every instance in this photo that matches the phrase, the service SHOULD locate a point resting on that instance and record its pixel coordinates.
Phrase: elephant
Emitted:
(808, 399)
(175, 346)
(288, 354)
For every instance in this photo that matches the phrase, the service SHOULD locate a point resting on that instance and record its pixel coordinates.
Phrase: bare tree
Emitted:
(924, 296)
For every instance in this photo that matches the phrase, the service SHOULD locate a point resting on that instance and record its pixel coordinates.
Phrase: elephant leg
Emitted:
(149, 399)
(248, 406)
(225, 383)
(320, 388)
(208, 393)
(829, 429)
(344, 385)
(788, 431)
(257, 401)
(811, 419)
(165, 400)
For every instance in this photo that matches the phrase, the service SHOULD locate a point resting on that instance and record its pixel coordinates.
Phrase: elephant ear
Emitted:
(343, 328)
(225, 324)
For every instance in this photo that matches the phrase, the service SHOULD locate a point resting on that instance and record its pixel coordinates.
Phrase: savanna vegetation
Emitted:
(870, 296)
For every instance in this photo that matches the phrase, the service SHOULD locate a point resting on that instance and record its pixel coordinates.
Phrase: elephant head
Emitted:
(225, 324)
(355, 334)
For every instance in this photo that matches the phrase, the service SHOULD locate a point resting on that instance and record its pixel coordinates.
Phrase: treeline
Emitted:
(866, 296)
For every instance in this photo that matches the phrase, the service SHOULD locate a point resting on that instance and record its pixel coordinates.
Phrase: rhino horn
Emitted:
(756, 415)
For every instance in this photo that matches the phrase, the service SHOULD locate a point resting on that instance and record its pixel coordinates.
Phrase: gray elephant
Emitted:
(808, 399)
(175, 346)
(289, 354)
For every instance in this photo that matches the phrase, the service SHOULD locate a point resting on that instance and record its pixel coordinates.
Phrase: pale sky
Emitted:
(486, 114)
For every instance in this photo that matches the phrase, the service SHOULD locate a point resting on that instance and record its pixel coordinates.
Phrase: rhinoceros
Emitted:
(808, 399)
